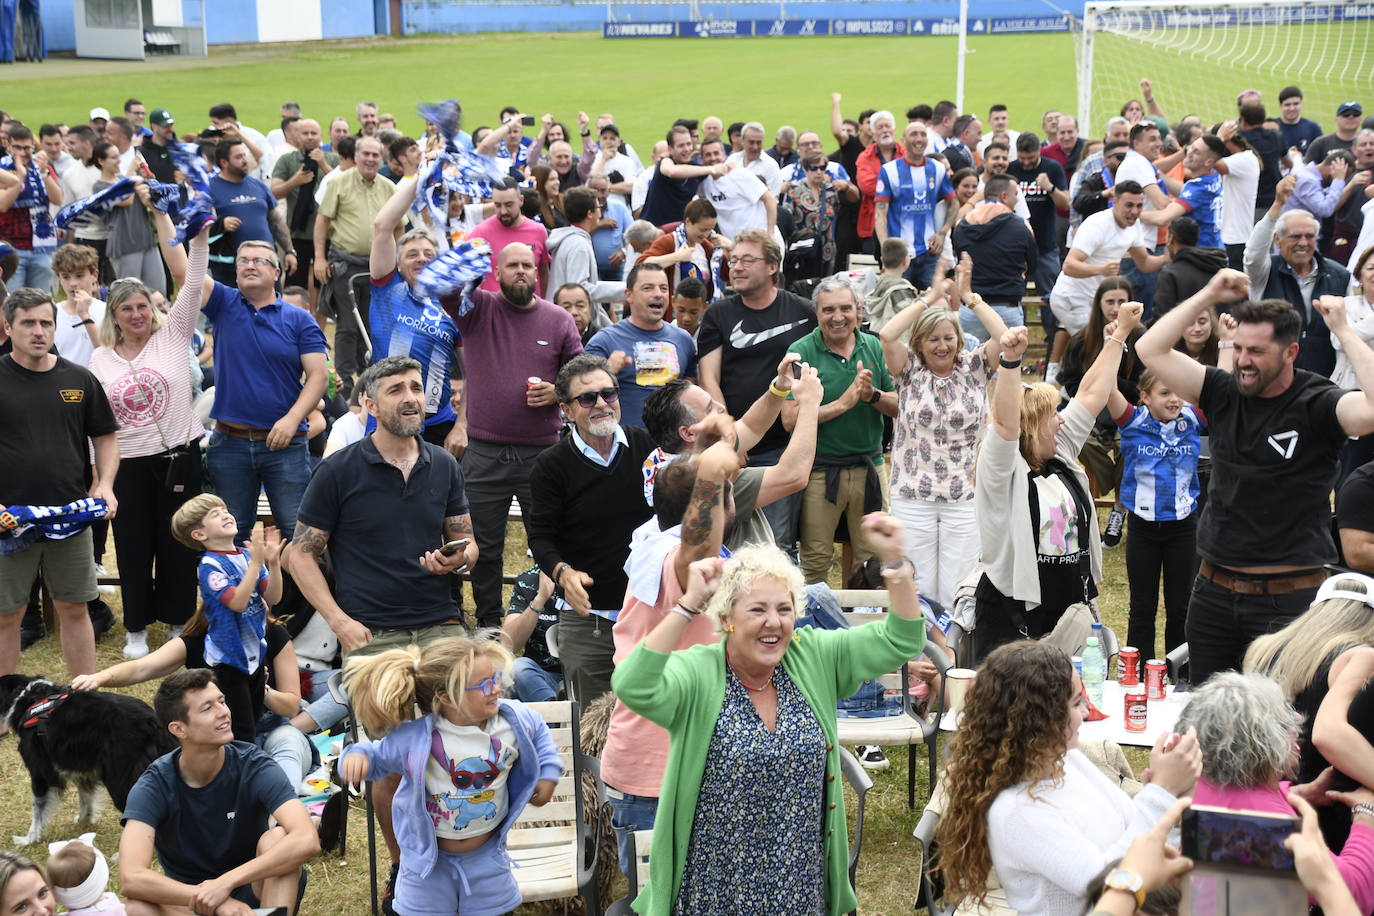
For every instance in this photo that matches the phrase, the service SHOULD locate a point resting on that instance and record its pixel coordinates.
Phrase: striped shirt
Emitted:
(404, 324)
(913, 192)
(1160, 482)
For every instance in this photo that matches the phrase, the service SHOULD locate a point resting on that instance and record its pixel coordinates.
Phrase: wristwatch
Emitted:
(1121, 879)
(877, 396)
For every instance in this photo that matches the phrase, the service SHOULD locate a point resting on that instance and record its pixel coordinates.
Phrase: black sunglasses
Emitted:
(817, 167)
(588, 398)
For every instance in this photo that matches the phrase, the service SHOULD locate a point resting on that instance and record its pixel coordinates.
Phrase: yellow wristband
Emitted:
(773, 389)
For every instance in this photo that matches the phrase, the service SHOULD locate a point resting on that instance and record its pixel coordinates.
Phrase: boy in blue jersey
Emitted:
(237, 586)
(401, 322)
(909, 192)
(1201, 195)
(1161, 442)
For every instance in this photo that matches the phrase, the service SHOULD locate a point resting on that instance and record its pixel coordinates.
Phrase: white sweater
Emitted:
(1049, 841)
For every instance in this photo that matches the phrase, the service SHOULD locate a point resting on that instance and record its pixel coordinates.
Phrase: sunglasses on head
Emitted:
(588, 398)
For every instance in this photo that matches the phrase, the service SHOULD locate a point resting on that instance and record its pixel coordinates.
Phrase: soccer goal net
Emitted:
(1200, 55)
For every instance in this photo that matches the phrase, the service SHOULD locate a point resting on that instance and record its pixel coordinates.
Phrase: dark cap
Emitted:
(161, 117)
(611, 128)
(1347, 108)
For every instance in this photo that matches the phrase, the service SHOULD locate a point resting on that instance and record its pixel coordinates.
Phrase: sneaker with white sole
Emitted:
(101, 573)
(871, 757)
(1116, 522)
(136, 644)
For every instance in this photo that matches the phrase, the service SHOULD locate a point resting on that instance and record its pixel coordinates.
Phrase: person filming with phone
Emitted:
(392, 510)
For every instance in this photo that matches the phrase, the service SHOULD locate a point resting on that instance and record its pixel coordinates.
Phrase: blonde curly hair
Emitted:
(743, 570)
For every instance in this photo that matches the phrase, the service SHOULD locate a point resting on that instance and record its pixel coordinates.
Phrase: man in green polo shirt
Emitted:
(848, 474)
(343, 240)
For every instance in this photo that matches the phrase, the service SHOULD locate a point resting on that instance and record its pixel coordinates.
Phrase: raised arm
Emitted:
(793, 469)
(894, 334)
(836, 118)
(1256, 258)
(382, 258)
(1100, 379)
(758, 419)
(1176, 369)
(1355, 409)
(1006, 394)
(703, 524)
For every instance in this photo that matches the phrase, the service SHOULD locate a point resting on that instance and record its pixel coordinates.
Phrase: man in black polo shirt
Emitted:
(596, 472)
(1275, 432)
(384, 506)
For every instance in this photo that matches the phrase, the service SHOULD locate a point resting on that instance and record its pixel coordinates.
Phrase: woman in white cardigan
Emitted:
(1036, 519)
(1025, 801)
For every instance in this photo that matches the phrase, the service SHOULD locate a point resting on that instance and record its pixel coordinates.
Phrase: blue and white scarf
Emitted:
(34, 198)
(188, 160)
(98, 204)
(690, 269)
(450, 271)
(21, 526)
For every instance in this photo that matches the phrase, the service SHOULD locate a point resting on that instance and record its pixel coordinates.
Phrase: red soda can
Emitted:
(1128, 666)
(532, 381)
(1137, 710)
(1154, 678)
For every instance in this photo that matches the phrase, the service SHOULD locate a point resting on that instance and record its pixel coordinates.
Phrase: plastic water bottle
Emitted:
(1094, 671)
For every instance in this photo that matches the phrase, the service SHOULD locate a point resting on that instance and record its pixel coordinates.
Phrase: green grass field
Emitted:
(646, 83)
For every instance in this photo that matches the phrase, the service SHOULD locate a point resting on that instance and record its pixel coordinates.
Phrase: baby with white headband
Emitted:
(80, 876)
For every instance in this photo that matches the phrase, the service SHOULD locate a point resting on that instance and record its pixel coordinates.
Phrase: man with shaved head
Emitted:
(514, 343)
(295, 177)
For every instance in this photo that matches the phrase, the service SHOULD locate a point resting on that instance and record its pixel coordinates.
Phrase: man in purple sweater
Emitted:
(513, 345)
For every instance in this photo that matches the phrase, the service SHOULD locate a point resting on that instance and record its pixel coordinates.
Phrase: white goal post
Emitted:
(1200, 54)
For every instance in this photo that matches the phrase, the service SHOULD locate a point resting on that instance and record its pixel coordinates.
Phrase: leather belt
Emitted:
(1276, 584)
(251, 433)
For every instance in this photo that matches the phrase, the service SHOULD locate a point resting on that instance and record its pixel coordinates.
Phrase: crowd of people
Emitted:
(707, 382)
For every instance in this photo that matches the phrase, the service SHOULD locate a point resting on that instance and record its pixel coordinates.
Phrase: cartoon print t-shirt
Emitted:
(1058, 535)
(465, 779)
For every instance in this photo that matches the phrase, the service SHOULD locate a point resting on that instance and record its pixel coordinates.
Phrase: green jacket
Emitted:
(684, 691)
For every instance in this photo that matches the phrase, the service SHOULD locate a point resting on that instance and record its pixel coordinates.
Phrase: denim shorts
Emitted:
(477, 883)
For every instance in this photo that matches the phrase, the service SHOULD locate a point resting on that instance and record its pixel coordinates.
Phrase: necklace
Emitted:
(743, 683)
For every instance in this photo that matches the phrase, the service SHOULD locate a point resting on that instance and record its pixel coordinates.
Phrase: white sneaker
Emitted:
(136, 644)
(1052, 373)
(100, 573)
(174, 631)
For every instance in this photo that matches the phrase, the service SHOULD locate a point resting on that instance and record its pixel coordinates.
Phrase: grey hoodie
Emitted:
(574, 261)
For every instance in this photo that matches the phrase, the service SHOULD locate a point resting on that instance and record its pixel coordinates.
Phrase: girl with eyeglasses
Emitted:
(468, 767)
(132, 247)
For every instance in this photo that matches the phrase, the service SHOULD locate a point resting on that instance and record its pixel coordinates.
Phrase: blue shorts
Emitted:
(477, 883)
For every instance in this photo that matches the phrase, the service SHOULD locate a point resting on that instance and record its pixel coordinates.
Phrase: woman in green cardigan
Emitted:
(751, 816)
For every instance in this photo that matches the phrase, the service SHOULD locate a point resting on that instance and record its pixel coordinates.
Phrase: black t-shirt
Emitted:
(1039, 202)
(752, 343)
(1355, 500)
(668, 197)
(159, 160)
(203, 833)
(48, 414)
(1268, 144)
(360, 501)
(522, 595)
(1273, 467)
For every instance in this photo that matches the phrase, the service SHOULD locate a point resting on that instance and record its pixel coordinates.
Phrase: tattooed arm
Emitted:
(302, 559)
(703, 524)
(456, 528)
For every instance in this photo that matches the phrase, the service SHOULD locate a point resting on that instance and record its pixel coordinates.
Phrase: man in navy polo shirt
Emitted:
(263, 347)
(247, 210)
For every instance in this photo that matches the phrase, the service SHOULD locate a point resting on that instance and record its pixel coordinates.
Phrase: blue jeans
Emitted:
(533, 684)
(35, 269)
(320, 704)
(1013, 315)
(823, 612)
(921, 271)
(240, 468)
(628, 814)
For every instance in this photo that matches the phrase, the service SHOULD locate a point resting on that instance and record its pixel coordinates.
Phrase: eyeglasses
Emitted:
(588, 398)
(490, 687)
(817, 167)
(256, 262)
(748, 260)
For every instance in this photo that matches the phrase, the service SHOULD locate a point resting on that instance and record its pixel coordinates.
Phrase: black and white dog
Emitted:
(86, 736)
